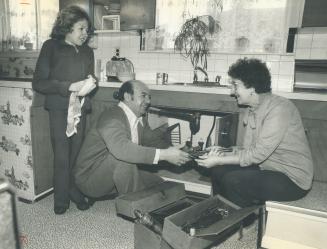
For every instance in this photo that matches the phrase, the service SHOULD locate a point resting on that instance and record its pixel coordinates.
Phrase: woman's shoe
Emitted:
(60, 210)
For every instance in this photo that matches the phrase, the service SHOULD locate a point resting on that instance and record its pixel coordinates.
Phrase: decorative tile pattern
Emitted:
(15, 141)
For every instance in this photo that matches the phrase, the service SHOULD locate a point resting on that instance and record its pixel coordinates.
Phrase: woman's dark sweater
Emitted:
(58, 66)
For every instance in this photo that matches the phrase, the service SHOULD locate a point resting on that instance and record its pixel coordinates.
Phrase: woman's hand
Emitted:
(83, 87)
(89, 85)
(216, 151)
(218, 157)
(76, 86)
(208, 160)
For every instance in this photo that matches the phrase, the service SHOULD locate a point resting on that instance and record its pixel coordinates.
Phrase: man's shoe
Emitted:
(82, 205)
(60, 210)
(91, 201)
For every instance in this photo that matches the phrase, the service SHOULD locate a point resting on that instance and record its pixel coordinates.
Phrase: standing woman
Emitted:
(65, 74)
(275, 161)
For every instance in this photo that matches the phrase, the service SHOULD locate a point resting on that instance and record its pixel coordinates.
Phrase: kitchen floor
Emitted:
(96, 228)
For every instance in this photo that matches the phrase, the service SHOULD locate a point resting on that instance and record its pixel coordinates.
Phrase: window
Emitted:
(25, 24)
(246, 25)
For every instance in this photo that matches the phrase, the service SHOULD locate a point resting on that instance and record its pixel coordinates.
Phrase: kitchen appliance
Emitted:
(119, 69)
(310, 75)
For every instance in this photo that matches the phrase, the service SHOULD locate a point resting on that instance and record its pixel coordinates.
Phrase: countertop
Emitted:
(180, 88)
(223, 90)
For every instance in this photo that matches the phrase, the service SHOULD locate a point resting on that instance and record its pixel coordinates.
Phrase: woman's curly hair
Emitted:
(66, 19)
(253, 73)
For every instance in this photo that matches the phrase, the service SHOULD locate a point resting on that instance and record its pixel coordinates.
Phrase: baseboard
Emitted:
(192, 186)
(274, 243)
(293, 227)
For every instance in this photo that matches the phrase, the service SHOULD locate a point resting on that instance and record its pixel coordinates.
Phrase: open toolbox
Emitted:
(168, 217)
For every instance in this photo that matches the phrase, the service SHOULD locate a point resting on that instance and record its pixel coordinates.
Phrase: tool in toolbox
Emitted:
(167, 217)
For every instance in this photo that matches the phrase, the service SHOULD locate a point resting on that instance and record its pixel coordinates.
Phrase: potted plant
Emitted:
(192, 39)
(26, 41)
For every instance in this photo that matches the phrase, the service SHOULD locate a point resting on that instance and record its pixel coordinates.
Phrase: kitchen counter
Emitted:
(191, 89)
(222, 90)
(15, 84)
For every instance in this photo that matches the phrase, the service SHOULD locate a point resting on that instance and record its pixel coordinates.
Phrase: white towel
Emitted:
(74, 113)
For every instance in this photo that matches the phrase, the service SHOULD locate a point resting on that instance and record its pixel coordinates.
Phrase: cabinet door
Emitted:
(316, 131)
(42, 150)
(314, 14)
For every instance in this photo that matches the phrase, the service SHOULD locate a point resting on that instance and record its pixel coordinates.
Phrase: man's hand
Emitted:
(174, 155)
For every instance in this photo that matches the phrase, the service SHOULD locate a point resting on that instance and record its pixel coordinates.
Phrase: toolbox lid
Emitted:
(149, 199)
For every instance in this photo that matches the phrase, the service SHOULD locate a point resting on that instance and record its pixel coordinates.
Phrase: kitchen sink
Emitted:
(200, 84)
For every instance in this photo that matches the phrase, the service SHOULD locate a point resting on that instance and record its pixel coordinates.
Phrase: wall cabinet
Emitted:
(314, 14)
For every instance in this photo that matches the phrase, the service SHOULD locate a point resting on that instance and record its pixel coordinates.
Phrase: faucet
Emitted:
(217, 80)
(195, 77)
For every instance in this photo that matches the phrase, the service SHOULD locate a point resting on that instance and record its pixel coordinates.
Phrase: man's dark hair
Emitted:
(126, 87)
(66, 19)
(253, 73)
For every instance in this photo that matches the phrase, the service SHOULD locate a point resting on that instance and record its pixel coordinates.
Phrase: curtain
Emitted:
(26, 21)
(4, 23)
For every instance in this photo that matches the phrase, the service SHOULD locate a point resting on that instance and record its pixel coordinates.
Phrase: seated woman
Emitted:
(275, 161)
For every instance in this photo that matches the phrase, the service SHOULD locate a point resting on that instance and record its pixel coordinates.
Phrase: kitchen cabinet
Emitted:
(25, 150)
(314, 14)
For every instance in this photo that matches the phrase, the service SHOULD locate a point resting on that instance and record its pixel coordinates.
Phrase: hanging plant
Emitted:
(192, 39)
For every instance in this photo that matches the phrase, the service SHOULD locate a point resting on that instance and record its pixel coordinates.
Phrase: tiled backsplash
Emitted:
(147, 64)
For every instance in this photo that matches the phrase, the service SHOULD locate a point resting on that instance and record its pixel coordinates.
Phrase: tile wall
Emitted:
(147, 64)
(311, 43)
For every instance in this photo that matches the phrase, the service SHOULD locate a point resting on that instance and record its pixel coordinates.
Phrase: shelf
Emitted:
(106, 31)
(115, 31)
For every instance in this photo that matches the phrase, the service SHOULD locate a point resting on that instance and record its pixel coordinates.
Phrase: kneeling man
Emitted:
(119, 141)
